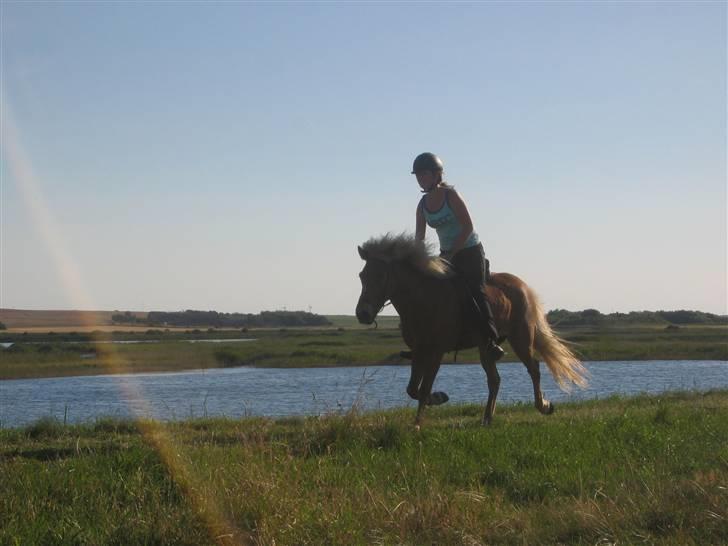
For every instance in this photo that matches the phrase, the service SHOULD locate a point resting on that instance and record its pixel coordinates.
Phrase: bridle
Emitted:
(387, 302)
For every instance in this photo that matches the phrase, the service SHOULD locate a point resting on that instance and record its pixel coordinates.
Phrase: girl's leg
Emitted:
(486, 313)
(470, 262)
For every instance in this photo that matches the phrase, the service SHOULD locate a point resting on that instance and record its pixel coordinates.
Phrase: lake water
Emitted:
(235, 392)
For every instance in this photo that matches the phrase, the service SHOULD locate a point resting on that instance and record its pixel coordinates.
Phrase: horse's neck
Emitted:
(411, 296)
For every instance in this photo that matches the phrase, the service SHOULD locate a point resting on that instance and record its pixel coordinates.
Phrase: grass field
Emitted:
(56, 354)
(645, 470)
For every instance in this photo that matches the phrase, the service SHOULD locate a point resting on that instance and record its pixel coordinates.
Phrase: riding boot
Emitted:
(488, 328)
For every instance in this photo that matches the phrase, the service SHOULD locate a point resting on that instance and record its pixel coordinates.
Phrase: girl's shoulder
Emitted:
(453, 195)
(449, 190)
(433, 202)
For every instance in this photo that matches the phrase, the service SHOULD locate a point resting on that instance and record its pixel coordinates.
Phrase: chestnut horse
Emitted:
(420, 286)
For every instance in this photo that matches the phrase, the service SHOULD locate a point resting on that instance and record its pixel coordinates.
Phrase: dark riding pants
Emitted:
(470, 263)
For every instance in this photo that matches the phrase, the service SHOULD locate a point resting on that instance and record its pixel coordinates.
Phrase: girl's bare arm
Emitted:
(420, 224)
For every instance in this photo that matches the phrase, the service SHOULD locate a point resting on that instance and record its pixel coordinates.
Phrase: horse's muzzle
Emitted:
(365, 313)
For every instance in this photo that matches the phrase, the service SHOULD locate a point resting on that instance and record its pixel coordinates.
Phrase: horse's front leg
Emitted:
(491, 371)
(429, 365)
(413, 387)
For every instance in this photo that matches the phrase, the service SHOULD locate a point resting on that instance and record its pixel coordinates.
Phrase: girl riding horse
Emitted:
(444, 210)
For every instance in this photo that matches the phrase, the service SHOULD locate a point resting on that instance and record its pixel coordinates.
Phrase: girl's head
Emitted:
(428, 169)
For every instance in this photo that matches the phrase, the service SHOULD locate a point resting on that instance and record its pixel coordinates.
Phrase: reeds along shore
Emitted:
(648, 470)
(55, 354)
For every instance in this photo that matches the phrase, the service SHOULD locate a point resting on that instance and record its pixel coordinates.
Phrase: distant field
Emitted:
(45, 354)
(349, 321)
(21, 319)
(64, 343)
(81, 329)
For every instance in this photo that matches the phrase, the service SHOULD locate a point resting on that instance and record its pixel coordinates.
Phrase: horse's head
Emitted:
(375, 279)
(388, 259)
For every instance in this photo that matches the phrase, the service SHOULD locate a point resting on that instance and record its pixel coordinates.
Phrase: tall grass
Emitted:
(650, 470)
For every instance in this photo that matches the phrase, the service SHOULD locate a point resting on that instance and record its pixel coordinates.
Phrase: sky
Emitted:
(231, 156)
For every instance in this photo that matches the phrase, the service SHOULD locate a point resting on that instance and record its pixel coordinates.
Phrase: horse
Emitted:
(434, 321)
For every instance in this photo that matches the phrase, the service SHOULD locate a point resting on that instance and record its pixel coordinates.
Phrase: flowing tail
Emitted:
(564, 365)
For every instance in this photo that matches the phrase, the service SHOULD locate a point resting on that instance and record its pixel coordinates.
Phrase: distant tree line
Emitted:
(592, 317)
(127, 318)
(214, 319)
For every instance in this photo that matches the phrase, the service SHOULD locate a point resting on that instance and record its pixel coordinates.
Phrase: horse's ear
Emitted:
(362, 254)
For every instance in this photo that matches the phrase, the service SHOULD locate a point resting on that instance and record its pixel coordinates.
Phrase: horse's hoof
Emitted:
(437, 398)
(550, 409)
(495, 352)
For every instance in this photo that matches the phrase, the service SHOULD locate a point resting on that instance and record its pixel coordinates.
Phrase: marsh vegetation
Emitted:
(64, 354)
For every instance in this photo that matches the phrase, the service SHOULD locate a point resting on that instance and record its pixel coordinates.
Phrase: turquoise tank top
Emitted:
(447, 226)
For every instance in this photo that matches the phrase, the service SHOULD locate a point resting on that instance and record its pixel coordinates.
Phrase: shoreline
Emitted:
(64, 355)
(320, 366)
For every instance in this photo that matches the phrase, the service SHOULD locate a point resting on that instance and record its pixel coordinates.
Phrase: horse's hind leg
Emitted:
(522, 344)
(491, 371)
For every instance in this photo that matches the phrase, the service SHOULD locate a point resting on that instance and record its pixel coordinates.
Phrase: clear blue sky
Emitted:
(231, 156)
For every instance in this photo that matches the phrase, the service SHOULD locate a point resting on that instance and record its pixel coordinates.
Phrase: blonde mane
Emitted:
(406, 248)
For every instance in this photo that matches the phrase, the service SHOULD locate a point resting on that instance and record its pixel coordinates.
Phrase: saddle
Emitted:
(471, 315)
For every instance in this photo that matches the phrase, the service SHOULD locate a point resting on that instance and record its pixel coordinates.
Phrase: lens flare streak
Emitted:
(220, 527)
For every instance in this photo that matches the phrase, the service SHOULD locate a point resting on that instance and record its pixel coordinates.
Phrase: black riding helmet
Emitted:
(427, 162)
